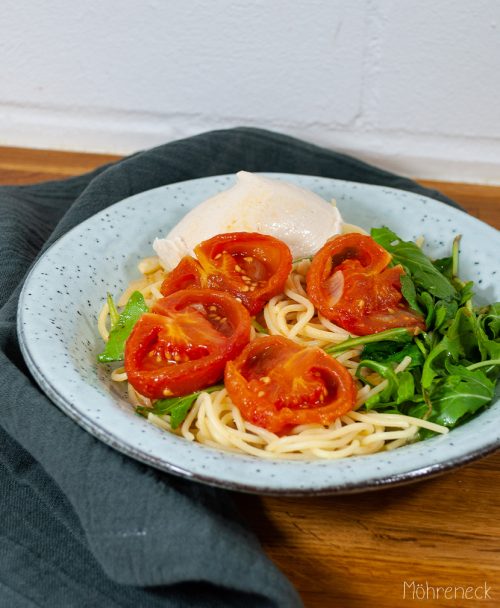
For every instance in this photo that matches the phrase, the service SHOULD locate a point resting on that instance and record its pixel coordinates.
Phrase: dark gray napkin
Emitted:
(82, 525)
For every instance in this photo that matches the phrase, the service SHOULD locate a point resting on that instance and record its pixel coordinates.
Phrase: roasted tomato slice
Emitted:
(252, 267)
(184, 343)
(278, 384)
(188, 273)
(349, 282)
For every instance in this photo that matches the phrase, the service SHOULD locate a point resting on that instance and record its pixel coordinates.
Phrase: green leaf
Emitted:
(120, 331)
(409, 292)
(387, 372)
(400, 386)
(427, 301)
(177, 407)
(399, 334)
(460, 394)
(445, 266)
(113, 312)
(490, 321)
(487, 328)
(393, 352)
(443, 312)
(180, 411)
(424, 274)
(406, 387)
(440, 314)
(465, 292)
(460, 342)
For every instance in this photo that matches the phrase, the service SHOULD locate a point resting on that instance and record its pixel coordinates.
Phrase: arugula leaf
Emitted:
(490, 321)
(393, 352)
(459, 394)
(399, 334)
(427, 301)
(455, 363)
(460, 342)
(444, 311)
(465, 292)
(487, 329)
(406, 387)
(177, 407)
(445, 266)
(122, 327)
(387, 372)
(424, 274)
(400, 387)
(409, 292)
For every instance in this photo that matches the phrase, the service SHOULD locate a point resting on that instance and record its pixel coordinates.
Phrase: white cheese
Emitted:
(300, 218)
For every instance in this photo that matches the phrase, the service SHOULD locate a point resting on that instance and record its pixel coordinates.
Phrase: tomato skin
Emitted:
(350, 283)
(278, 384)
(184, 343)
(187, 274)
(252, 267)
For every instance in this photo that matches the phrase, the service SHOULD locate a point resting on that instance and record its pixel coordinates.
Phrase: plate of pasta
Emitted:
(274, 333)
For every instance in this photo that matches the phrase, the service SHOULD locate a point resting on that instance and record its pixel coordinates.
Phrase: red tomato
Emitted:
(184, 343)
(349, 282)
(278, 384)
(188, 273)
(252, 267)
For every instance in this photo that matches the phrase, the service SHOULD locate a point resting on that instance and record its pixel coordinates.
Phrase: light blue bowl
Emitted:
(60, 340)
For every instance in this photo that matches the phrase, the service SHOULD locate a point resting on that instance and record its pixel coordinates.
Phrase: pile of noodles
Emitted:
(214, 420)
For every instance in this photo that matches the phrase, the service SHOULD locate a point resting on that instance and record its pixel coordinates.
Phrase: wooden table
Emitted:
(364, 550)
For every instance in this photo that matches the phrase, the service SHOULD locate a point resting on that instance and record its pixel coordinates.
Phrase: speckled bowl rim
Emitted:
(105, 435)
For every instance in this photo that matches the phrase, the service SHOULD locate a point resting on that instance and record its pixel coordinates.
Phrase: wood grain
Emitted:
(358, 551)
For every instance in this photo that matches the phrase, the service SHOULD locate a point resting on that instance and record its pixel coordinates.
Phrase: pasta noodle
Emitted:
(215, 421)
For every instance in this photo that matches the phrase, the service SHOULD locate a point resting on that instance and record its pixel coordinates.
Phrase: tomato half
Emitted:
(278, 384)
(183, 344)
(252, 267)
(350, 283)
(188, 273)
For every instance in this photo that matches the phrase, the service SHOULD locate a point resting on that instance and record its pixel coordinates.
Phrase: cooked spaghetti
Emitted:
(215, 421)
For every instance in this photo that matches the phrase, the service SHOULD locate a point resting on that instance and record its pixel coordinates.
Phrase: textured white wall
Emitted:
(412, 85)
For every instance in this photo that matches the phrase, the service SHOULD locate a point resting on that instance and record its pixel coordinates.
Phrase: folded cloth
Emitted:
(81, 524)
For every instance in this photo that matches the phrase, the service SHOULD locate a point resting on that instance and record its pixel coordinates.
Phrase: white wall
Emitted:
(413, 85)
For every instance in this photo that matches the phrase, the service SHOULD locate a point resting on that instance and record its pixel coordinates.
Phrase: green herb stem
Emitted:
(454, 255)
(399, 334)
(260, 328)
(487, 363)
